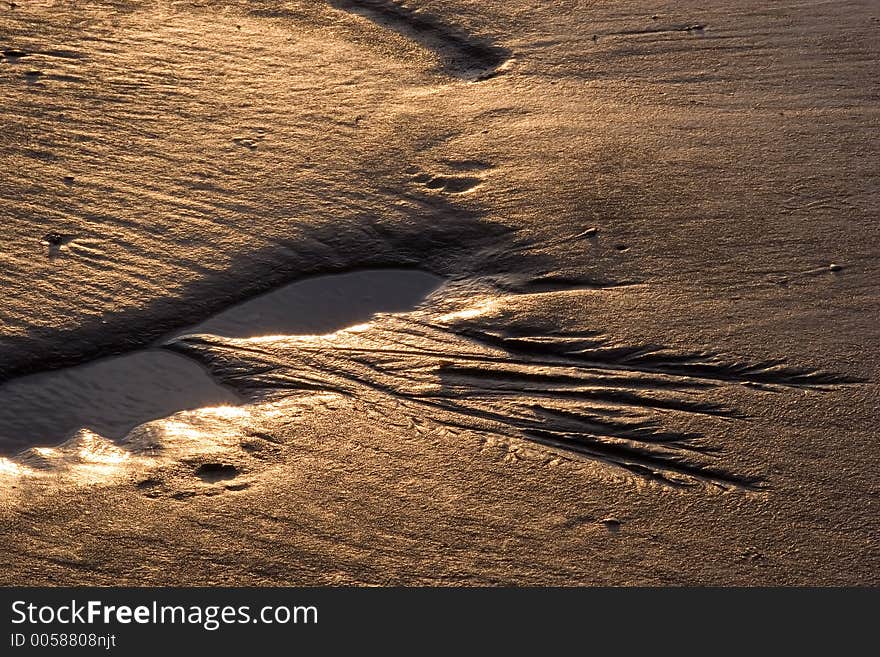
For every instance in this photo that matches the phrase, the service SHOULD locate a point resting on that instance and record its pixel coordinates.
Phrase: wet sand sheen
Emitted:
(113, 395)
(556, 427)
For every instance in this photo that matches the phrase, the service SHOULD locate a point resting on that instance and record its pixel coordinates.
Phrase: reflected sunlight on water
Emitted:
(95, 449)
(224, 412)
(484, 307)
(11, 468)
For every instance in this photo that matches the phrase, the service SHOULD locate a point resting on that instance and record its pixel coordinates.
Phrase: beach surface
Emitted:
(363, 292)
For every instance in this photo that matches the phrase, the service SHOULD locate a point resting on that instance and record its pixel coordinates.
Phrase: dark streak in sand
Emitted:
(463, 55)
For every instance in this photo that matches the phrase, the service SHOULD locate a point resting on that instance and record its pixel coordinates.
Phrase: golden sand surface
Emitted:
(652, 354)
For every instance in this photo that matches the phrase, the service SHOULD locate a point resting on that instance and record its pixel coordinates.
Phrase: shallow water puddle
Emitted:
(322, 304)
(110, 397)
(113, 395)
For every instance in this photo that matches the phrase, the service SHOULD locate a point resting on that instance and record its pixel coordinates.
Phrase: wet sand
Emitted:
(653, 361)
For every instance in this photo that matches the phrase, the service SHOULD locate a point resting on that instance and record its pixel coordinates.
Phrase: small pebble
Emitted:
(68, 180)
(611, 522)
(54, 239)
(835, 267)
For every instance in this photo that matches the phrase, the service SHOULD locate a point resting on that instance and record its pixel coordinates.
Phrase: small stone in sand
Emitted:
(54, 239)
(835, 267)
(611, 523)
